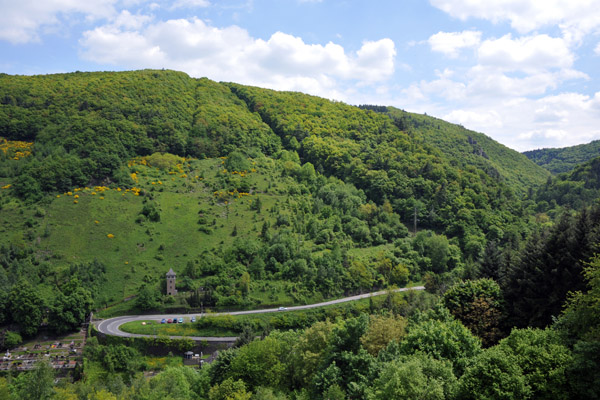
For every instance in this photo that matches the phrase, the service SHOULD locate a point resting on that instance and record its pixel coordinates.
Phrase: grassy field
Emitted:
(153, 327)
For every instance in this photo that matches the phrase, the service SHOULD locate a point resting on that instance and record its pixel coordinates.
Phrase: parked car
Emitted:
(282, 308)
(193, 319)
(175, 320)
(163, 321)
(180, 320)
(169, 321)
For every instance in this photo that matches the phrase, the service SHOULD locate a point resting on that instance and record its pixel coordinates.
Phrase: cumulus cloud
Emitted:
(21, 21)
(529, 53)
(190, 4)
(450, 43)
(283, 61)
(575, 18)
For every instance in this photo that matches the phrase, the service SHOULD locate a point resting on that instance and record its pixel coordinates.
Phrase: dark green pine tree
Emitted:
(492, 261)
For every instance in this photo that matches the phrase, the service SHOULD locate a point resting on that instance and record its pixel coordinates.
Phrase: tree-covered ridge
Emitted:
(470, 148)
(368, 150)
(576, 189)
(222, 123)
(564, 159)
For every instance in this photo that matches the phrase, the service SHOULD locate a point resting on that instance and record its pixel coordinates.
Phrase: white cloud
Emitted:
(575, 18)
(190, 4)
(450, 43)
(283, 61)
(475, 118)
(21, 21)
(597, 49)
(529, 53)
(524, 124)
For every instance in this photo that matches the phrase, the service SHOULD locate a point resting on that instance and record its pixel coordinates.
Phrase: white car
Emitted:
(282, 309)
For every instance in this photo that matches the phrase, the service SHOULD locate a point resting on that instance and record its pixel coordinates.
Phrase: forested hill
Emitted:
(564, 159)
(576, 189)
(468, 147)
(86, 126)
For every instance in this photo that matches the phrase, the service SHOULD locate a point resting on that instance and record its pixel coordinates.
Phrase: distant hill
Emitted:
(566, 158)
(576, 189)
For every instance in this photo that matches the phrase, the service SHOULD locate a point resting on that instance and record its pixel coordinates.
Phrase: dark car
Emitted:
(169, 321)
(175, 320)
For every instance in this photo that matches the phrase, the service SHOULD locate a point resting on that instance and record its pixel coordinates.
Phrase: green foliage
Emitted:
(36, 384)
(494, 374)
(415, 377)
(564, 159)
(543, 359)
(442, 337)
(550, 267)
(575, 189)
(71, 307)
(479, 305)
(26, 308)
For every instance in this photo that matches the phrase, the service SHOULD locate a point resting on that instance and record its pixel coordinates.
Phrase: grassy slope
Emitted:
(452, 140)
(135, 251)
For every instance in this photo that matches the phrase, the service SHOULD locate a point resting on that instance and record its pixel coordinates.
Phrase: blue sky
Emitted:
(523, 72)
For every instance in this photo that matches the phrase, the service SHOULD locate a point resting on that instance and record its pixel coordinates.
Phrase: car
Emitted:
(169, 321)
(193, 319)
(163, 321)
(282, 308)
(175, 320)
(180, 320)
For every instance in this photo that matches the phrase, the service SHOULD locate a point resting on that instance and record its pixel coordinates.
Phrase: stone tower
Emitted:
(171, 276)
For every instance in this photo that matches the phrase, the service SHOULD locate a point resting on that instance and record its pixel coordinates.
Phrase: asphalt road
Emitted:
(111, 326)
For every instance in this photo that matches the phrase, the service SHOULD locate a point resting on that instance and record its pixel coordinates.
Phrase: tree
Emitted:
(173, 383)
(36, 384)
(494, 374)
(381, 331)
(26, 307)
(479, 305)
(147, 298)
(544, 360)
(229, 390)
(71, 307)
(415, 377)
(438, 334)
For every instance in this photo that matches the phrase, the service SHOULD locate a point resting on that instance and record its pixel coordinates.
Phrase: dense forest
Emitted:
(259, 198)
(564, 159)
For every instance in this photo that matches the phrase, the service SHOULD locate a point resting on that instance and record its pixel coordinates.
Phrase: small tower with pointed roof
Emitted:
(171, 276)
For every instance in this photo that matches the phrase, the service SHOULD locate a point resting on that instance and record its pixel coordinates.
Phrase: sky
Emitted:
(525, 72)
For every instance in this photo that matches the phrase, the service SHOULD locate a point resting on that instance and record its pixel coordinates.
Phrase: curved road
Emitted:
(112, 326)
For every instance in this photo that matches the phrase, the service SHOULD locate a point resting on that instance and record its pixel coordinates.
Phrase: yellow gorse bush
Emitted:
(15, 149)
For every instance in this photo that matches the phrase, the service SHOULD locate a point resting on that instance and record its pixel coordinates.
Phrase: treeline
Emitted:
(564, 159)
(86, 126)
(575, 189)
(24, 309)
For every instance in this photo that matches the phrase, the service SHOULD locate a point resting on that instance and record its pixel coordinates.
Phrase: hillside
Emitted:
(564, 159)
(576, 189)
(261, 197)
(472, 148)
